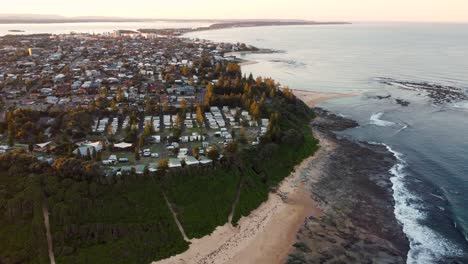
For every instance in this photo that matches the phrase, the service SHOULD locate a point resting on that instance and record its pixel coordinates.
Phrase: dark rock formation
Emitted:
(359, 225)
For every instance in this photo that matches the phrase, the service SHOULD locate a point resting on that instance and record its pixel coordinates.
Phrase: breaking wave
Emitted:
(375, 120)
(463, 105)
(401, 129)
(426, 246)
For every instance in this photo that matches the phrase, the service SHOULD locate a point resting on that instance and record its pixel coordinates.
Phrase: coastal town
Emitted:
(130, 101)
(259, 132)
(135, 139)
(147, 147)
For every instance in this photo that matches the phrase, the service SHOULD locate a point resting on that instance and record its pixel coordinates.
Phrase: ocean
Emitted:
(94, 27)
(429, 139)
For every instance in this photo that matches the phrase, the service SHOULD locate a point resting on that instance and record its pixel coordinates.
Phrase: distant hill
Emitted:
(39, 19)
(30, 16)
(46, 18)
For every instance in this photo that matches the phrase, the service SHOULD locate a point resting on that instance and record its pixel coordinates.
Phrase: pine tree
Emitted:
(200, 117)
(92, 106)
(163, 165)
(178, 121)
(11, 132)
(255, 111)
(242, 138)
(149, 105)
(141, 142)
(183, 107)
(120, 95)
(147, 131)
(88, 154)
(113, 106)
(209, 96)
(213, 153)
(69, 150)
(137, 154)
(99, 156)
(274, 130)
(94, 154)
(231, 147)
(78, 154)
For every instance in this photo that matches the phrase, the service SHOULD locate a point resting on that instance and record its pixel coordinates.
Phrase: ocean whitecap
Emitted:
(462, 105)
(375, 119)
(426, 245)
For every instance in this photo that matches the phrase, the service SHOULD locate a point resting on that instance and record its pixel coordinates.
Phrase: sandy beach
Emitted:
(253, 240)
(312, 98)
(248, 63)
(300, 220)
(268, 234)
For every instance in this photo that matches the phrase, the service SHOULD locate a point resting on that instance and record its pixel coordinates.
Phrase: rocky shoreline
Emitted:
(358, 223)
(440, 94)
(336, 207)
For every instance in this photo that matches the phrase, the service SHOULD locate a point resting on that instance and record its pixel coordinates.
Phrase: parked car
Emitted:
(170, 147)
(123, 160)
(155, 155)
(106, 162)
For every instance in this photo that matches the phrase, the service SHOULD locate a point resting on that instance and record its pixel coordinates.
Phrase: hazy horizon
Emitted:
(319, 10)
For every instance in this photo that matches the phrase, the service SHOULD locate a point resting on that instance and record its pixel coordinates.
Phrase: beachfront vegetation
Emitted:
(202, 198)
(23, 239)
(267, 166)
(93, 219)
(127, 221)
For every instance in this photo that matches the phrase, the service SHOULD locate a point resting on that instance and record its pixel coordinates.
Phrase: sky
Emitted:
(320, 10)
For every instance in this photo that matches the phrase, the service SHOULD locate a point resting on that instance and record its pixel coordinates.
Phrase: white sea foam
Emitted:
(426, 246)
(463, 105)
(401, 129)
(375, 120)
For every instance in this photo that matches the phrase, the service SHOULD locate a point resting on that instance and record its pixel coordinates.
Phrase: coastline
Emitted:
(245, 63)
(359, 224)
(285, 212)
(313, 98)
(342, 226)
(279, 230)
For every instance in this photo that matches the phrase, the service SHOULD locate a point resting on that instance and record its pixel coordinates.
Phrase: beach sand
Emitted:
(268, 234)
(248, 63)
(312, 99)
